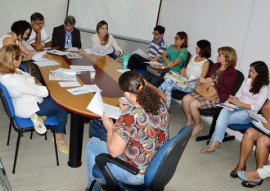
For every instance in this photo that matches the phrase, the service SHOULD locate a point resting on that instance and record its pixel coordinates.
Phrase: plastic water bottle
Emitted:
(125, 61)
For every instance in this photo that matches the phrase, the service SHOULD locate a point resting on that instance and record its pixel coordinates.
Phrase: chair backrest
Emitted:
(239, 80)
(6, 101)
(187, 60)
(162, 167)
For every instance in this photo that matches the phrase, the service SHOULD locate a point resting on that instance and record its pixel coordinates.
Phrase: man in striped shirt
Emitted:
(155, 49)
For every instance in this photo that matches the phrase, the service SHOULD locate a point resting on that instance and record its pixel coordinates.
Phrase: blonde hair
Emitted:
(230, 55)
(8, 54)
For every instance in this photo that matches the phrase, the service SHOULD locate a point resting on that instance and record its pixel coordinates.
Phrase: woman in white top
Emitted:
(29, 97)
(197, 66)
(104, 43)
(20, 30)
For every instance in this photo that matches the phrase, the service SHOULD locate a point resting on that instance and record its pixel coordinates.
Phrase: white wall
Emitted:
(13, 10)
(242, 24)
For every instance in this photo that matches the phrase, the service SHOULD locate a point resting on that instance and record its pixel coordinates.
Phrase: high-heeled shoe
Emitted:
(249, 185)
(234, 174)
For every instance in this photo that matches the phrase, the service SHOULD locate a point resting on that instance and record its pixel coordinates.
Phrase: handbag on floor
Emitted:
(208, 92)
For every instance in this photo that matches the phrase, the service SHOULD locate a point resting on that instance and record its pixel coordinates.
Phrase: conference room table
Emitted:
(106, 79)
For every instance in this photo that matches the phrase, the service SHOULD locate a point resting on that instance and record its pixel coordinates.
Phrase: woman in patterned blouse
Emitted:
(136, 136)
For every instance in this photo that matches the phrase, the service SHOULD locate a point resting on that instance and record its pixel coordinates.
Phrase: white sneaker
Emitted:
(38, 124)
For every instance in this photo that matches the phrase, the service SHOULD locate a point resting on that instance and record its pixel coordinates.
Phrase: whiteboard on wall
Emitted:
(127, 19)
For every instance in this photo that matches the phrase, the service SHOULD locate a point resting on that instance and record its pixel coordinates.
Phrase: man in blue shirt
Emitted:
(155, 49)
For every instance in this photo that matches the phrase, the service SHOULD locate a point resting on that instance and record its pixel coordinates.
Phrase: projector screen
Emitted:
(127, 19)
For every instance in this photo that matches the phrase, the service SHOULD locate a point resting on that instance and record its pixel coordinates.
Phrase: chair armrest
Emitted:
(101, 162)
(104, 158)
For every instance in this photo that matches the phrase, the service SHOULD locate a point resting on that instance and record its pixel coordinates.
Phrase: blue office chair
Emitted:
(158, 173)
(22, 125)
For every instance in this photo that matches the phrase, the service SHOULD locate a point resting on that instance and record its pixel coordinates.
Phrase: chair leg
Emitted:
(92, 185)
(17, 150)
(9, 131)
(31, 135)
(55, 147)
(45, 136)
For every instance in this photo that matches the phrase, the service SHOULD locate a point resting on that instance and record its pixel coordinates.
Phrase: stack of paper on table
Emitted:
(141, 53)
(97, 106)
(79, 68)
(72, 55)
(57, 52)
(94, 52)
(84, 89)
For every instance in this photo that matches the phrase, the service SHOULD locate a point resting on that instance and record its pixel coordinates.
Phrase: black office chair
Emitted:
(177, 94)
(214, 112)
(22, 125)
(158, 173)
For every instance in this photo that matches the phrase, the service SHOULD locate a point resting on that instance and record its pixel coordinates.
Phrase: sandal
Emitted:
(62, 146)
(38, 124)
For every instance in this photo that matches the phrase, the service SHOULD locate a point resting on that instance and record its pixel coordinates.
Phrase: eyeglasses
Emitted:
(219, 54)
(155, 33)
(41, 23)
(176, 38)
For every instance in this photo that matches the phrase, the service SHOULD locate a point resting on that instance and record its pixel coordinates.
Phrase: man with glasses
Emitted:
(66, 35)
(154, 51)
(39, 38)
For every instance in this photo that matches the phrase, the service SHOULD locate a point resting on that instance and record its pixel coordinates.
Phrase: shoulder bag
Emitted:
(208, 92)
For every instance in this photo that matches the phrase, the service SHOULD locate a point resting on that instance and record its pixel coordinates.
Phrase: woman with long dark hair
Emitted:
(137, 135)
(251, 96)
(103, 42)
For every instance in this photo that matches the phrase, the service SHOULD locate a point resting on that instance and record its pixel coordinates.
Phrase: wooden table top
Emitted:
(106, 79)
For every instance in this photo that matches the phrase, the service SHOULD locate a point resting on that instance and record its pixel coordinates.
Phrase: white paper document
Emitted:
(62, 77)
(97, 106)
(256, 116)
(39, 56)
(94, 52)
(141, 53)
(72, 55)
(228, 105)
(122, 70)
(79, 68)
(64, 71)
(46, 63)
(153, 63)
(69, 84)
(84, 89)
(57, 52)
(260, 126)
